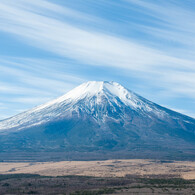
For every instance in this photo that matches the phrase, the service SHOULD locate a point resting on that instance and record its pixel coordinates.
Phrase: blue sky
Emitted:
(49, 47)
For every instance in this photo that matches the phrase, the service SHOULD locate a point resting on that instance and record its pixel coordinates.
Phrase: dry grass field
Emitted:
(107, 168)
(120, 177)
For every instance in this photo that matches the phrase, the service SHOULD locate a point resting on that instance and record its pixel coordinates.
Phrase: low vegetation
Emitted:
(84, 185)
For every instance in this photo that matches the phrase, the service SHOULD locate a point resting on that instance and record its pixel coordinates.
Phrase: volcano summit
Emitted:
(98, 120)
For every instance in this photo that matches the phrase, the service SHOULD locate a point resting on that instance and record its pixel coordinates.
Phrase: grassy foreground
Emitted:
(83, 185)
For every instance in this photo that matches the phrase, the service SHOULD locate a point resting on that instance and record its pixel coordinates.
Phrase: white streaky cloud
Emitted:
(37, 68)
(171, 35)
(31, 100)
(83, 45)
(171, 23)
(174, 83)
(6, 88)
(4, 116)
(33, 77)
(181, 83)
(168, 12)
(185, 112)
(3, 107)
(53, 28)
(53, 85)
(34, 82)
(46, 8)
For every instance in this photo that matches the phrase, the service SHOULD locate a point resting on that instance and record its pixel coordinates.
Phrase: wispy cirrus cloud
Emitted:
(81, 44)
(165, 56)
(169, 20)
(26, 83)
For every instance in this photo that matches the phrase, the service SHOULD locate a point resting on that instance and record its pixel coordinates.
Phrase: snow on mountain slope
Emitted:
(97, 99)
(100, 120)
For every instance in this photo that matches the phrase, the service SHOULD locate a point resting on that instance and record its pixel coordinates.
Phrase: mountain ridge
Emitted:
(94, 88)
(102, 117)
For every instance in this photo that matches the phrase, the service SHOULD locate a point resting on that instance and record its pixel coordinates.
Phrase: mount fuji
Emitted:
(98, 120)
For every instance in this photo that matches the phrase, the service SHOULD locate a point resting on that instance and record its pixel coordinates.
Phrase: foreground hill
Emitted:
(98, 120)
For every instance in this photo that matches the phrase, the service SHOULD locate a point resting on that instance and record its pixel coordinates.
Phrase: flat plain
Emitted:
(134, 176)
(107, 168)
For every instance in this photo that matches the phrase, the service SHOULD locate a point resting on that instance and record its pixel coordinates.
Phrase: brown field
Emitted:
(98, 177)
(107, 168)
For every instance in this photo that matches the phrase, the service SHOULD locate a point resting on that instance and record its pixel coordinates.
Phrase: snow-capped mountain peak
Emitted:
(98, 117)
(96, 99)
(97, 88)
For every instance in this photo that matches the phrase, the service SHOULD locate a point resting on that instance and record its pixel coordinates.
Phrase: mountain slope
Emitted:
(100, 118)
